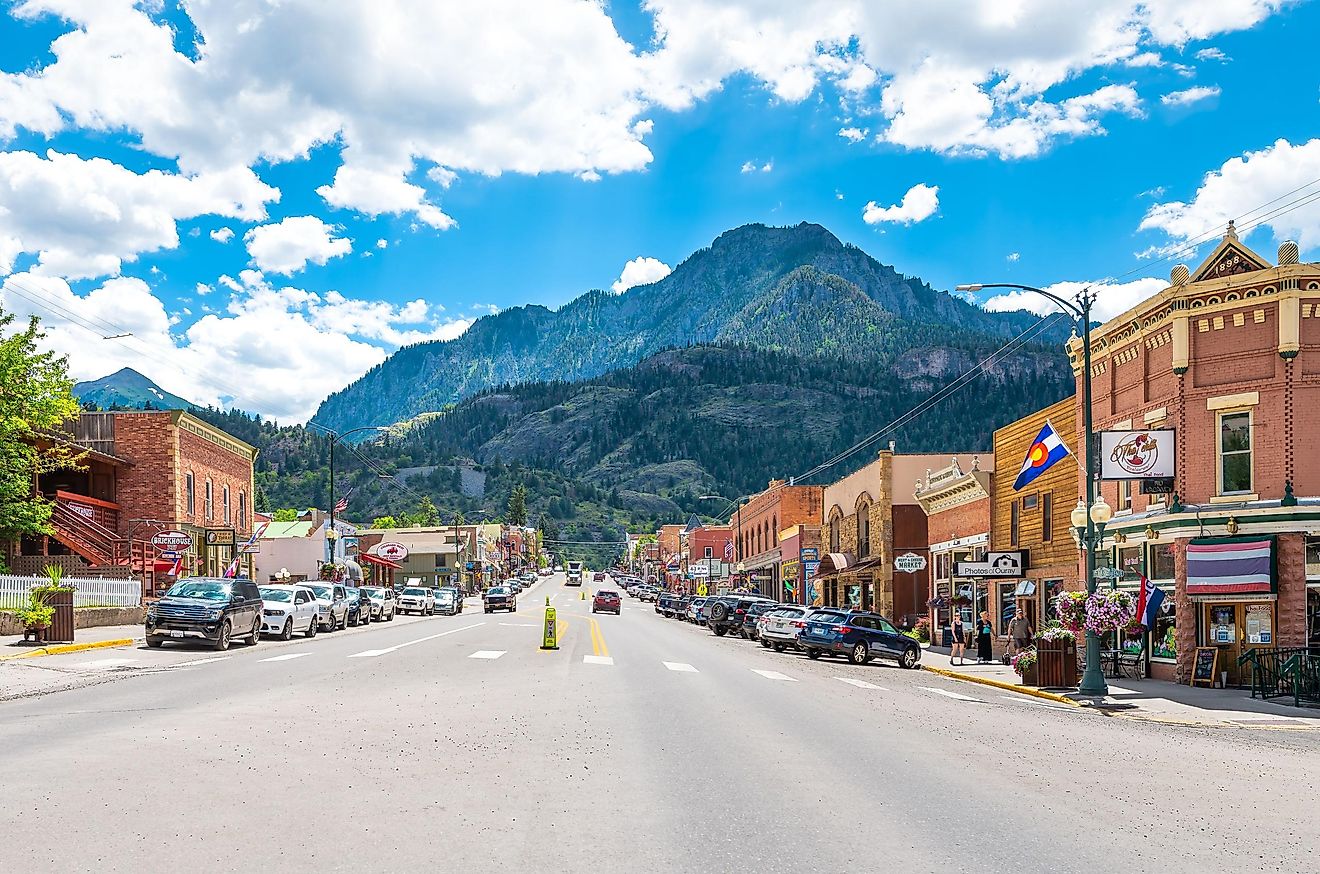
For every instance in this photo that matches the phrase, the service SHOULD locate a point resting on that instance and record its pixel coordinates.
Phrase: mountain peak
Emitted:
(127, 388)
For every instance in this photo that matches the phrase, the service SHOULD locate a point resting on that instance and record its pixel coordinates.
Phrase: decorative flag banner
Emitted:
(342, 504)
(232, 570)
(728, 550)
(1045, 452)
(1149, 601)
(178, 566)
(1230, 566)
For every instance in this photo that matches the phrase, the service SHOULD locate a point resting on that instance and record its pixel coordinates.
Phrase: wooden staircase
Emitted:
(102, 547)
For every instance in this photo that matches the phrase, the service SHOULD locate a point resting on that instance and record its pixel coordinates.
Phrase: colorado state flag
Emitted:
(1047, 449)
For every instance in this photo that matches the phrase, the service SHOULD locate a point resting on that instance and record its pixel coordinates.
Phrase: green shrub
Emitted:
(37, 614)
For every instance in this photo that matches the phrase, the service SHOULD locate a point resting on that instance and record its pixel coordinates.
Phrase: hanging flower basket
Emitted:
(1109, 610)
(1070, 608)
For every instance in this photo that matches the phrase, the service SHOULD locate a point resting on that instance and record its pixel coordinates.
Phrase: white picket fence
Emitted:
(91, 592)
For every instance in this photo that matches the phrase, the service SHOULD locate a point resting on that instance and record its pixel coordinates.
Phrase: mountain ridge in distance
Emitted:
(127, 389)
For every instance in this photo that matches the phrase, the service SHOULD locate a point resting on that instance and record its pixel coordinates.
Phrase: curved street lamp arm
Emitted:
(1068, 306)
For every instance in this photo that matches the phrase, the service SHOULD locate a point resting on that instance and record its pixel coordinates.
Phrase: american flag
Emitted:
(342, 504)
(178, 567)
(728, 550)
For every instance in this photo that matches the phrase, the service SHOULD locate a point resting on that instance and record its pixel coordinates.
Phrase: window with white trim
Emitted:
(1235, 453)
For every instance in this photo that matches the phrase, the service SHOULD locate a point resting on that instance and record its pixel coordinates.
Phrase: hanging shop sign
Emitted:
(220, 537)
(172, 541)
(1136, 454)
(909, 563)
(995, 564)
(392, 551)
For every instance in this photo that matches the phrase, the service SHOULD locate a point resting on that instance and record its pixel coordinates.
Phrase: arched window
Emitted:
(863, 530)
(224, 504)
(834, 531)
(242, 510)
(208, 505)
(774, 532)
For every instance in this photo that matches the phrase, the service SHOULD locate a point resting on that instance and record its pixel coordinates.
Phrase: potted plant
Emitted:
(1109, 610)
(922, 628)
(1024, 665)
(36, 617)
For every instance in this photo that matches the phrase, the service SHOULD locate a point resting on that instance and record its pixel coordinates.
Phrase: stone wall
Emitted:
(83, 617)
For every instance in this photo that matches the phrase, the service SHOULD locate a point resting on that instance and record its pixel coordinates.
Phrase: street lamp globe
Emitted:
(1101, 512)
(1079, 514)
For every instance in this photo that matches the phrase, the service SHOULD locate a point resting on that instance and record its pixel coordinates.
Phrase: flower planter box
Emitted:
(1056, 665)
(1031, 676)
(61, 624)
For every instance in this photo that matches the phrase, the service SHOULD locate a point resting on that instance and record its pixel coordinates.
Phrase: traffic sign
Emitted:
(550, 639)
(909, 563)
(172, 541)
(702, 590)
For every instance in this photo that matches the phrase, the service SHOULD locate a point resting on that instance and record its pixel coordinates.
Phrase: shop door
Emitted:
(1236, 628)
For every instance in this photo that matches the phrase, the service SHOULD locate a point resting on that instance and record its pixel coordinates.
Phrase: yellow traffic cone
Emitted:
(584, 595)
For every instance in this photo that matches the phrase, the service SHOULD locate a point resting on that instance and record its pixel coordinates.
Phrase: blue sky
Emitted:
(499, 153)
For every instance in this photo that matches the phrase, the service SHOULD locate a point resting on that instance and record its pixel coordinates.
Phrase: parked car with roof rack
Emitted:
(448, 600)
(857, 635)
(778, 627)
(696, 610)
(382, 602)
(209, 610)
(417, 599)
(724, 613)
(749, 630)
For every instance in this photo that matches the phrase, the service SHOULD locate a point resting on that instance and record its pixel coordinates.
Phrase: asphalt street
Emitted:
(456, 744)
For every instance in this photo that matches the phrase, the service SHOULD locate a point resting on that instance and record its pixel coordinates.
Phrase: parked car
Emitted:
(383, 603)
(449, 601)
(666, 603)
(754, 612)
(648, 593)
(359, 607)
(334, 596)
(528, 577)
(606, 601)
(513, 584)
(417, 599)
(287, 610)
(500, 598)
(696, 610)
(208, 609)
(858, 635)
(778, 627)
(724, 613)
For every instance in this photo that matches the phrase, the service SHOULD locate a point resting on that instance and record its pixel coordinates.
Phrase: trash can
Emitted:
(61, 624)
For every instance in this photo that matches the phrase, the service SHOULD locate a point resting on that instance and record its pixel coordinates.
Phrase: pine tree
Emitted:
(516, 512)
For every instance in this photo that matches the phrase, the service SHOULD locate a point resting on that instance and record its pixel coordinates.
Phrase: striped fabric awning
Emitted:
(1230, 566)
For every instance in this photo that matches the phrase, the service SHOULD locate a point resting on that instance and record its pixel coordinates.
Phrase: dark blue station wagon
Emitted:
(857, 635)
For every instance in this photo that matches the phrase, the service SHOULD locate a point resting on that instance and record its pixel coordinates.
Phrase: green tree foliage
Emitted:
(384, 522)
(260, 501)
(426, 515)
(516, 511)
(35, 396)
(285, 515)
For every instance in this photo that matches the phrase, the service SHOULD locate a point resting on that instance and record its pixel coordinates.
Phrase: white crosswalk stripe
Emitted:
(860, 684)
(286, 657)
(488, 653)
(947, 694)
(100, 664)
(681, 667)
(196, 662)
(774, 675)
(1023, 699)
(597, 660)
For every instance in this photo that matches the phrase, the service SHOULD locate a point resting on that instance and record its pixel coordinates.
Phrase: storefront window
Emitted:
(1234, 453)
(1313, 616)
(982, 600)
(854, 597)
(1159, 561)
(1007, 606)
(1163, 644)
(1049, 590)
(1259, 621)
(1129, 560)
(1313, 559)
(966, 594)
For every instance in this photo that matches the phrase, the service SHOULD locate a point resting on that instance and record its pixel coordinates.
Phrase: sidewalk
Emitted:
(13, 645)
(1148, 700)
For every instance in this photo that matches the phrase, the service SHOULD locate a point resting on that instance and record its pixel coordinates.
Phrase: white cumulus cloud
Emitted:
(287, 246)
(1111, 300)
(852, 134)
(640, 271)
(222, 235)
(918, 204)
(1190, 95)
(1240, 188)
(84, 217)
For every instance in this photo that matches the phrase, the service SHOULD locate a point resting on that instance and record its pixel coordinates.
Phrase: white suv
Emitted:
(289, 609)
(335, 600)
(415, 599)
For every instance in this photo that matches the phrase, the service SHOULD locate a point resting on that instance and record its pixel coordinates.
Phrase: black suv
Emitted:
(726, 613)
(748, 629)
(208, 609)
(359, 606)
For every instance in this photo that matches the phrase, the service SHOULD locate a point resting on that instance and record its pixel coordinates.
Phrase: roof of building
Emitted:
(276, 530)
(428, 541)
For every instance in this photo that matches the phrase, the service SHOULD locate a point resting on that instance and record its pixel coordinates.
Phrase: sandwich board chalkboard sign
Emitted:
(1204, 664)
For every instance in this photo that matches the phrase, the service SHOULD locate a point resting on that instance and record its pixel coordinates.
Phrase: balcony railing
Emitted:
(1285, 673)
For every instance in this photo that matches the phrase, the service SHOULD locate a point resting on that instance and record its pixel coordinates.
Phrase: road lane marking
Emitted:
(201, 661)
(860, 684)
(774, 675)
(597, 660)
(680, 667)
(1020, 699)
(488, 653)
(98, 664)
(948, 694)
(517, 625)
(598, 638)
(371, 653)
(285, 657)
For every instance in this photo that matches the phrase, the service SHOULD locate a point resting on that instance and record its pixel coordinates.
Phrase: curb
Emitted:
(71, 647)
(1000, 684)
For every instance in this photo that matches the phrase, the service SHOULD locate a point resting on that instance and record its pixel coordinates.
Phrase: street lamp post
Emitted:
(334, 441)
(1088, 518)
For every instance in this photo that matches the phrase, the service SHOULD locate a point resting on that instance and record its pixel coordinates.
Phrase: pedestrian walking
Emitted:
(1020, 630)
(959, 651)
(984, 630)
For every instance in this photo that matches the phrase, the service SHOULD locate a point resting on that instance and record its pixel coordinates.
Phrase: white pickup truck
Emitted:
(575, 573)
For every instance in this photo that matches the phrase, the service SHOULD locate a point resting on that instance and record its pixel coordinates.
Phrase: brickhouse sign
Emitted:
(172, 541)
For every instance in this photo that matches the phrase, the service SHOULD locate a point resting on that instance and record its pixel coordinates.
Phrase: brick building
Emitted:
(1227, 358)
(800, 549)
(956, 501)
(152, 471)
(708, 552)
(1033, 522)
(869, 518)
(758, 524)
